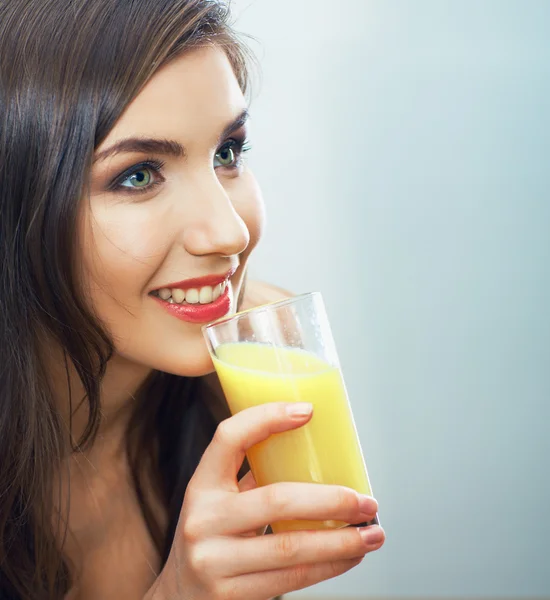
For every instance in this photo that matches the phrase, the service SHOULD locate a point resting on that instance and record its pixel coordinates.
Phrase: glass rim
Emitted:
(259, 309)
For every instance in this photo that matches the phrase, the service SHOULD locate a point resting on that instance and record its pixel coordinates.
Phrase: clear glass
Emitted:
(285, 352)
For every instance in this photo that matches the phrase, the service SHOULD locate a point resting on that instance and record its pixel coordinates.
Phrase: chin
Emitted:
(195, 368)
(190, 363)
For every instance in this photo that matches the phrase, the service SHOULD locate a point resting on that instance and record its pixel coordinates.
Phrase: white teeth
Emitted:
(205, 295)
(178, 295)
(192, 296)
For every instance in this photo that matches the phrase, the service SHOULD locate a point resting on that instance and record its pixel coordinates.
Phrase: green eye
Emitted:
(226, 157)
(139, 179)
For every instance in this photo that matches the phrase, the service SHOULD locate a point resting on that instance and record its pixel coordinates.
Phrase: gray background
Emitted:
(403, 149)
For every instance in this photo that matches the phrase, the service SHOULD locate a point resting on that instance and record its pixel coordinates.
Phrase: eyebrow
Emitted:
(163, 146)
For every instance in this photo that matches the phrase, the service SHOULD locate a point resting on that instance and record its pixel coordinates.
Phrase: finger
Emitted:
(247, 483)
(283, 550)
(296, 501)
(258, 586)
(234, 436)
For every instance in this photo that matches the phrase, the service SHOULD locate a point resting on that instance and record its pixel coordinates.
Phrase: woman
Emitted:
(127, 216)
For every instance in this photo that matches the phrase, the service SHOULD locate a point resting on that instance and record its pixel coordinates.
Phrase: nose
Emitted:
(213, 226)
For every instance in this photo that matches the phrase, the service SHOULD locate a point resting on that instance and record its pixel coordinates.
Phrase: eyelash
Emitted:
(156, 166)
(151, 164)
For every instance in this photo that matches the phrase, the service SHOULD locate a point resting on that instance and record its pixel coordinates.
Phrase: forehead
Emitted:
(195, 95)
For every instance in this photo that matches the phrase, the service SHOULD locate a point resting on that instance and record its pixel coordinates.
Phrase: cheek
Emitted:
(247, 199)
(122, 245)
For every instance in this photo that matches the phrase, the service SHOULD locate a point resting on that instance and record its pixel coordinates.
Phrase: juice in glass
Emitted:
(325, 450)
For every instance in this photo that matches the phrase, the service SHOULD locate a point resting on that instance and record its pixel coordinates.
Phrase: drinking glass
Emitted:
(285, 352)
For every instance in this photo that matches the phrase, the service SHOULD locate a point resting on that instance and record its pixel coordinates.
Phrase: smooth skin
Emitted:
(203, 215)
(216, 554)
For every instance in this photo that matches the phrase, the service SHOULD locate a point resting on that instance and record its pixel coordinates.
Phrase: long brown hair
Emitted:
(68, 69)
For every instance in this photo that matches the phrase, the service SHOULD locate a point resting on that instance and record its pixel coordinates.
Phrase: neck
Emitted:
(119, 385)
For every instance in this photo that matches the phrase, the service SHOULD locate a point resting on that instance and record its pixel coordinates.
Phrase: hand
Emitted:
(216, 554)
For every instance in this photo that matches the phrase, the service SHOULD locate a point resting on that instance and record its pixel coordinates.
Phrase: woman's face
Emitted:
(173, 215)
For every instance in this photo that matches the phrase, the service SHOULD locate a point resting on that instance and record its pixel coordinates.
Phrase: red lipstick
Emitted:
(199, 282)
(196, 312)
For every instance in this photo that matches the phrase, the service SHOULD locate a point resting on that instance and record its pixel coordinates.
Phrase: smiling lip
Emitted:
(199, 313)
(199, 282)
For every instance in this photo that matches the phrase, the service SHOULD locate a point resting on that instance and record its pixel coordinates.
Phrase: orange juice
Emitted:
(325, 450)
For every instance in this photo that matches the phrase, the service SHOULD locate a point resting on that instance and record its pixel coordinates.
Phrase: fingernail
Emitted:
(367, 505)
(372, 535)
(300, 409)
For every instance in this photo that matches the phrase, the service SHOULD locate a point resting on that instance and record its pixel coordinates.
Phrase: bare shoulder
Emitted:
(260, 292)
